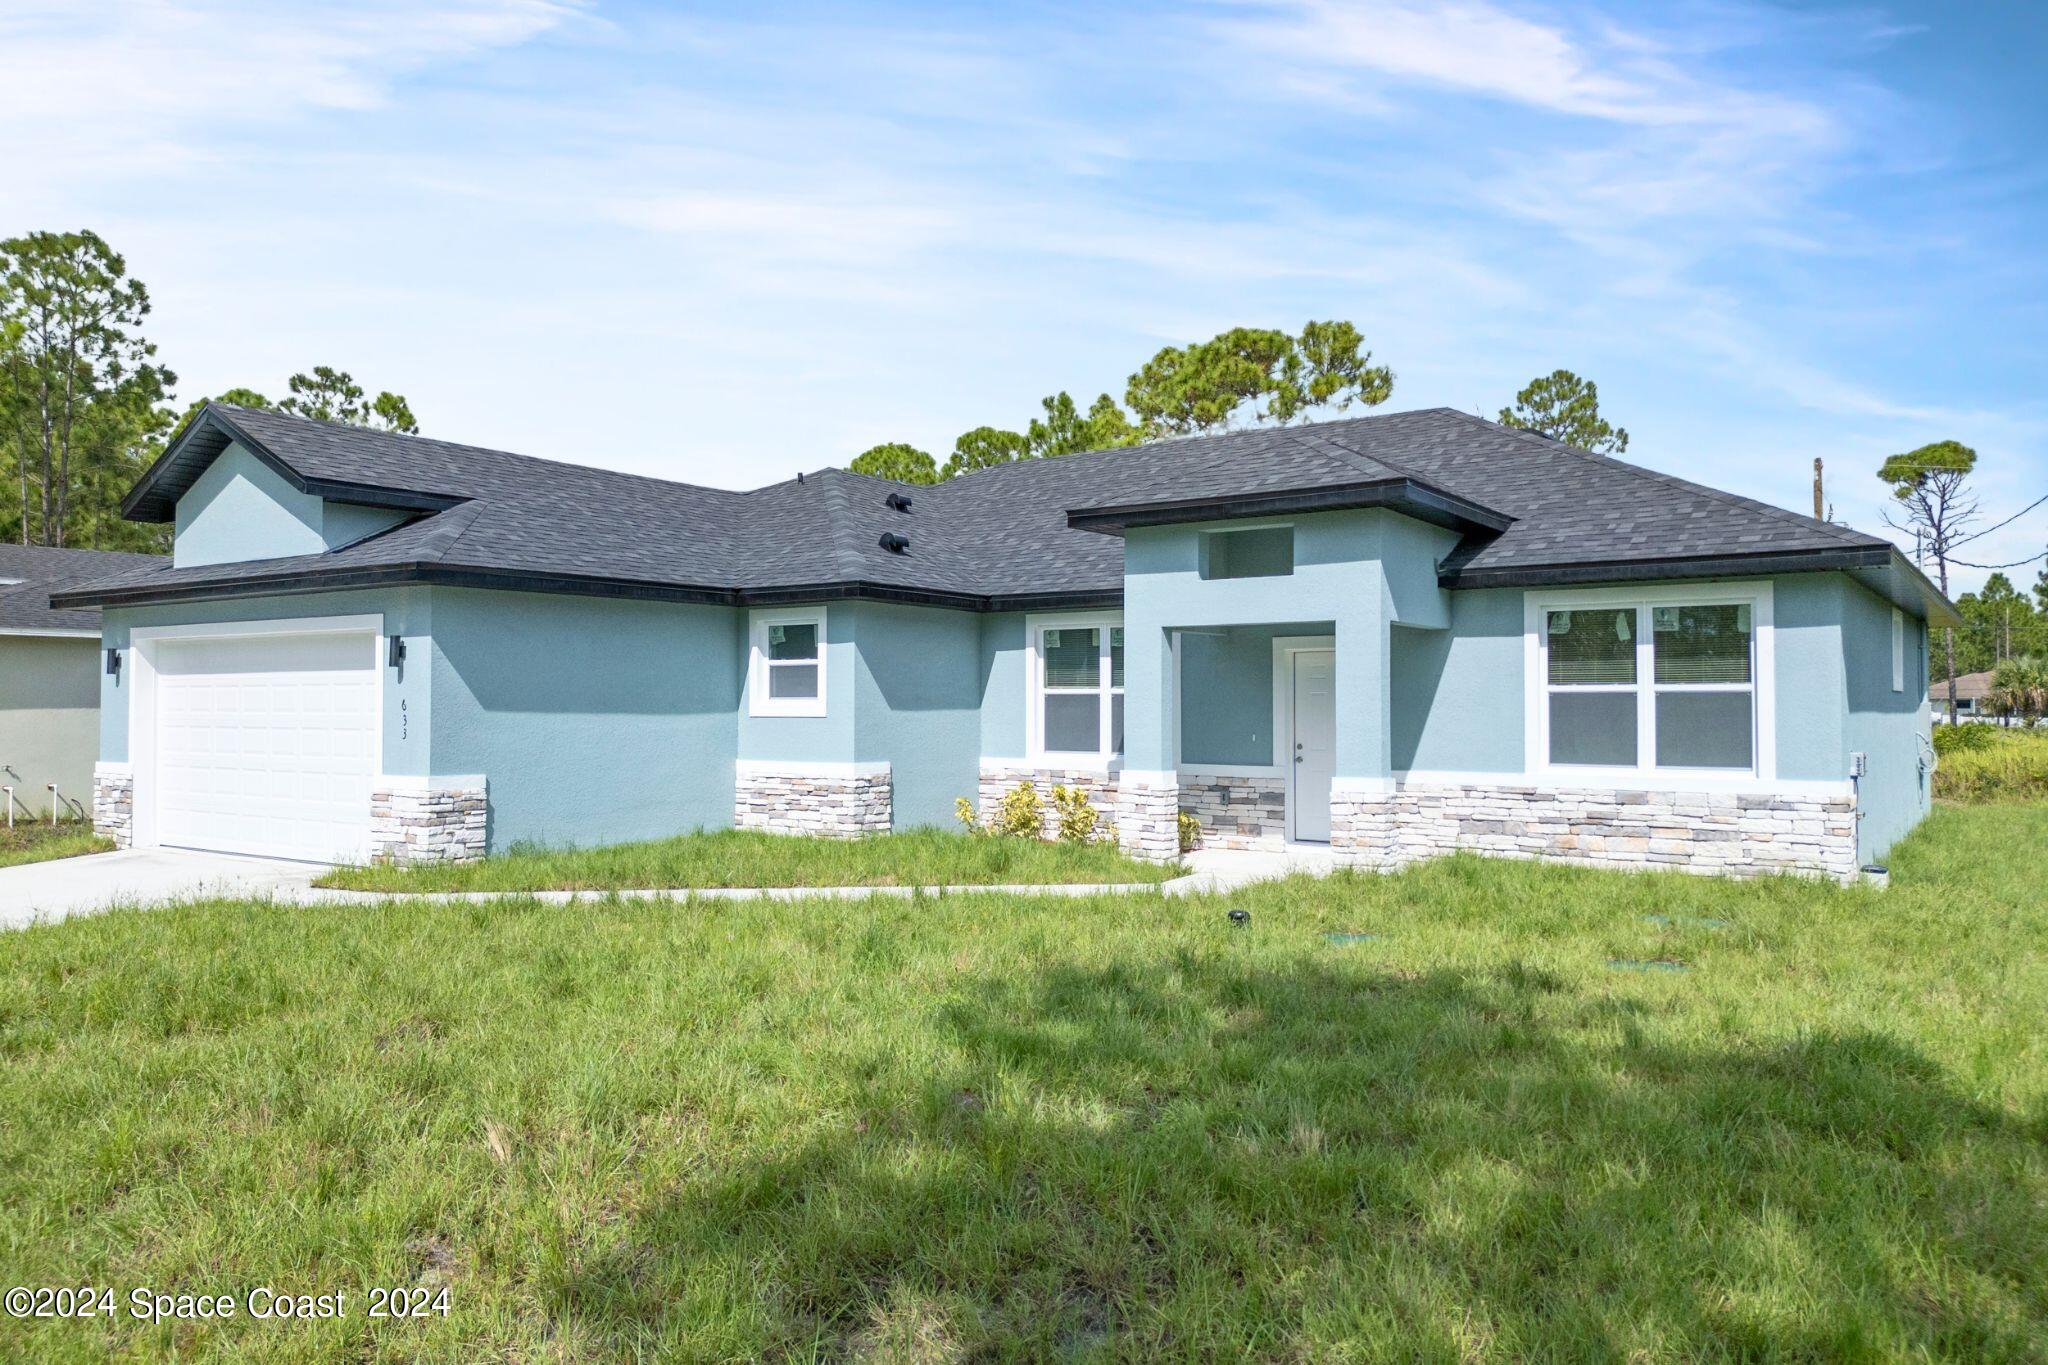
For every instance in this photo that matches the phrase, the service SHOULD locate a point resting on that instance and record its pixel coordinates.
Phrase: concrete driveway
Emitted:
(63, 887)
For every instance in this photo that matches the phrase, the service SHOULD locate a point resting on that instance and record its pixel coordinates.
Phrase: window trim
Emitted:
(1102, 760)
(1703, 593)
(1898, 650)
(759, 703)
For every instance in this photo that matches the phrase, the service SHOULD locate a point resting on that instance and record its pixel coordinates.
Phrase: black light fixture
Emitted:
(113, 663)
(894, 543)
(898, 501)
(395, 656)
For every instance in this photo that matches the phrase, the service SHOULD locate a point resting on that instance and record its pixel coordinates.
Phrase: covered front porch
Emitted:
(1258, 677)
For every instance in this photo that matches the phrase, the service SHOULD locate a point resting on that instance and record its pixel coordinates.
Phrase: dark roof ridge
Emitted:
(1845, 535)
(351, 429)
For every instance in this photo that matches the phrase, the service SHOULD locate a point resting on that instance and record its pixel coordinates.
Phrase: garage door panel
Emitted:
(267, 744)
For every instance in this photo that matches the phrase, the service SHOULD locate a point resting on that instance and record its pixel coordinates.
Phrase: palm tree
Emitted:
(2019, 688)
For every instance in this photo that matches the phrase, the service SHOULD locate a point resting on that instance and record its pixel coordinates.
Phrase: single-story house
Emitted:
(1399, 634)
(1972, 689)
(49, 676)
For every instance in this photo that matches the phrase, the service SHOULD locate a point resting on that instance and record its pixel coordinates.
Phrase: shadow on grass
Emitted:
(1214, 1158)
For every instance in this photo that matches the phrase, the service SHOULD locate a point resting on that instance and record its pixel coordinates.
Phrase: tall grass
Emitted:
(1992, 763)
(979, 1127)
(924, 857)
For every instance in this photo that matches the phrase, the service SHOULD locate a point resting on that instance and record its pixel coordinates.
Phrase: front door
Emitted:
(1314, 744)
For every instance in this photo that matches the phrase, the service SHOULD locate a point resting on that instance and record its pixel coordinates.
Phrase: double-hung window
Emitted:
(787, 672)
(1646, 685)
(1077, 690)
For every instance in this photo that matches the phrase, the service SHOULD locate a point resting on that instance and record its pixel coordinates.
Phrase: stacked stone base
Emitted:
(1148, 818)
(113, 805)
(1237, 812)
(1713, 834)
(796, 802)
(414, 825)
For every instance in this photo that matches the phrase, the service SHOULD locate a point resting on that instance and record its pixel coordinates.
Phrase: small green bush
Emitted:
(1190, 832)
(1951, 739)
(963, 811)
(1077, 819)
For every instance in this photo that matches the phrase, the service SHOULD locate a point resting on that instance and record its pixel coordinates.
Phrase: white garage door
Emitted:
(267, 744)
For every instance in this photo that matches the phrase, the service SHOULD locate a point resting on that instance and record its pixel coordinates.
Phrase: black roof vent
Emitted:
(894, 543)
(899, 501)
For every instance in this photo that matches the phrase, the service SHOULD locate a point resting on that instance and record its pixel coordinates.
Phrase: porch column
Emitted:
(1361, 820)
(1148, 796)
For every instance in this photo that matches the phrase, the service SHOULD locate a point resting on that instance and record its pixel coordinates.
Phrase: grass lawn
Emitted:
(1114, 1128)
(926, 857)
(35, 843)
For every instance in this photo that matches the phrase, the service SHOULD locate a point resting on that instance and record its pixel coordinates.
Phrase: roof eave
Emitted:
(1913, 591)
(1413, 497)
(215, 429)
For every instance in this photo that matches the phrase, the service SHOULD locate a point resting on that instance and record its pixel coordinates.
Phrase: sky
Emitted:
(726, 243)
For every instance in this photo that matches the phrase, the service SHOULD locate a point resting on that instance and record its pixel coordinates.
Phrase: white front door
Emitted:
(1314, 744)
(266, 744)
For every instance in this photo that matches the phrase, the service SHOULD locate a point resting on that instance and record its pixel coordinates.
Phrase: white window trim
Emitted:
(1034, 692)
(1705, 593)
(1898, 650)
(759, 703)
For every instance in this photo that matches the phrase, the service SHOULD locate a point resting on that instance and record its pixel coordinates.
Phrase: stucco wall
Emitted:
(1226, 697)
(1458, 692)
(49, 717)
(596, 720)
(241, 509)
(917, 699)
(1000, 665)
(1891, 729)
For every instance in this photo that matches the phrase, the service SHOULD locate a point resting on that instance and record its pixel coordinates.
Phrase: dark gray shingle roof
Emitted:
(996, 537)
(25, 605)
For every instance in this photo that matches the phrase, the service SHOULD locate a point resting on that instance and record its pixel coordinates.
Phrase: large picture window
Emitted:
(1078, 690)
(1661, 684)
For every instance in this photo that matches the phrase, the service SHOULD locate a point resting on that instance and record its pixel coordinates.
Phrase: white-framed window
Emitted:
(1076, 690)
(786, 667)
(1898, 650)
(1670, 679)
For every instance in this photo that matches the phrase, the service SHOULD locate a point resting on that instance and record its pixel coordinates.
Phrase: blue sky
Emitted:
(726, 243)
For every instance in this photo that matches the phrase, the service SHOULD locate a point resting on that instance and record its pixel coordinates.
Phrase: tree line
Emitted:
(1244, 376)
(86, 406)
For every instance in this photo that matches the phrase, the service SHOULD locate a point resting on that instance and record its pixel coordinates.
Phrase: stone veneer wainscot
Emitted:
(1237, 812)
(113, 803)
(807, 800)
(1713, 833)
(998, 782)
(428, 821)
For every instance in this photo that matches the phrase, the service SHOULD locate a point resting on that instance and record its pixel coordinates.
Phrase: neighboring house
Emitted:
(49, 675)
(1971, 691)
(1400, 634)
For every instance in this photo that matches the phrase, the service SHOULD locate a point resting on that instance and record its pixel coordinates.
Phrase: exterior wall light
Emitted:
(114, 663)
(395, 656)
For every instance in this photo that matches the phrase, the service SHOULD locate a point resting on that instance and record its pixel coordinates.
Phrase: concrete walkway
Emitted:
(62, 887)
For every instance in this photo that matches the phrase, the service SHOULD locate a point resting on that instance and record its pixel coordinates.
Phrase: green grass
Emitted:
(989, 1127)
(31, 842)
(1994, 764)
(927, 857)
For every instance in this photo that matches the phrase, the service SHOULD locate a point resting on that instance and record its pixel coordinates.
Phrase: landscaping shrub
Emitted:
(1992, 765)
(1190, 832)
(1021, 815)
(1077, 819)
(1949, 739)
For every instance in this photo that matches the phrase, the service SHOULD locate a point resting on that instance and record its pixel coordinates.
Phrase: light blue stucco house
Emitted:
(1397, 635)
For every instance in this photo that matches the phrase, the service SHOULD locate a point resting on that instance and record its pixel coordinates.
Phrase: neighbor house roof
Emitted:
(1035, 532)
(30, 573)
